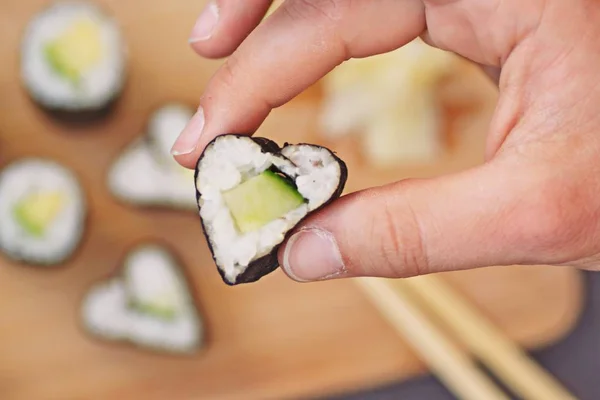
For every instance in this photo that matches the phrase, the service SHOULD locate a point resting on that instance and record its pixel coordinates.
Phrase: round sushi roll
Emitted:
(146, 173)
(251, 194)
(73, 59)
(149, 304)
(42, 212)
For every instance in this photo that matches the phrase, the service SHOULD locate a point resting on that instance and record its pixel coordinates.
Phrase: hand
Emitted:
(536, 199)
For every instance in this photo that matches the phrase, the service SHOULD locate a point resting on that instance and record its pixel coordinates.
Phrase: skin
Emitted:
(536, 199)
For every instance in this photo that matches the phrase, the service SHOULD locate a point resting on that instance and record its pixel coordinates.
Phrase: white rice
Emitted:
(317, 174)
(146, 173)
(138, 178)
(150, 273)
(98, 86)
(150, 277)
(63, 234)
(164, 127)
(229, 161)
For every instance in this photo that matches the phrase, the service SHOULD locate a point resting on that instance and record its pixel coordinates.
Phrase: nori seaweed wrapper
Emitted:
(269, 262)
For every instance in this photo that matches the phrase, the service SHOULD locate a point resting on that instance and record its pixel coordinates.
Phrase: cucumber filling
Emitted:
(36, 212)
(78, 49)
(165, 310)
(154, 288)
(261, 199)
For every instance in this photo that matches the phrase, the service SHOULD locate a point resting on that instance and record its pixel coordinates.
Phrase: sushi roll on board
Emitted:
(42, 212)
(149, 305)
(73, 59)
(146, 174)
(251, 193)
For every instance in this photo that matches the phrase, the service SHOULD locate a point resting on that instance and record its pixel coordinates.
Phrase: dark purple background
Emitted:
(575, 361)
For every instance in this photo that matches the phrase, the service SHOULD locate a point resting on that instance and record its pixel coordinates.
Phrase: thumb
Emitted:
(471, 219)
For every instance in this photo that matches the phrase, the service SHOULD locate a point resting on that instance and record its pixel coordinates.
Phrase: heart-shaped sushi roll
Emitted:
(42, 212)
(149, 304)
(146, 174)
(251, 194)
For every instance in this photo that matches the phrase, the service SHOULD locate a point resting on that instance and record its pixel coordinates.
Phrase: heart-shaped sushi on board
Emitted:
(251, 194)
(149, 304)
(146, 174)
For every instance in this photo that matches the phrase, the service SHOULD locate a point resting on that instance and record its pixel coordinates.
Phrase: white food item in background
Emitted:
(64, 233)
(164, 127)
(151, 278)
(409, 134)
(146, 173)
(99, 84)
(390, 100)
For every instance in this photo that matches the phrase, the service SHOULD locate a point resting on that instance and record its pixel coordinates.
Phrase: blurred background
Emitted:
(102, 90)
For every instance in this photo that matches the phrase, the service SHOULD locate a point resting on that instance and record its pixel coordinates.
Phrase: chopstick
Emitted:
(456, 371)
(508, 361)
(395, 300)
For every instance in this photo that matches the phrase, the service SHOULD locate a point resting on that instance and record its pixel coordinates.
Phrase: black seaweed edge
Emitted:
(62, 262)
(268, 263)
(84, 117)
(118, 272)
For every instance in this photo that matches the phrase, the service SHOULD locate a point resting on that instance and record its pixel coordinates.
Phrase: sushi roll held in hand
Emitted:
(42, 211)
(73, 59)
(148, 305)
(251, 194)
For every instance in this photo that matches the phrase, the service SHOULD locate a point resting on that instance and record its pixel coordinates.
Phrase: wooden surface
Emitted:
(274, 339)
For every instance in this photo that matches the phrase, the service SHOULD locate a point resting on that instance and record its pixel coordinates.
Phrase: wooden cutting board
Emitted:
(273, 339)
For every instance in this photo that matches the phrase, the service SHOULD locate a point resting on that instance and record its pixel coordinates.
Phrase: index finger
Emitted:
(299, 44)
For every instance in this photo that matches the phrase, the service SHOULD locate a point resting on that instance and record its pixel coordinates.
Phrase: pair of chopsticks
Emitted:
(397, 301)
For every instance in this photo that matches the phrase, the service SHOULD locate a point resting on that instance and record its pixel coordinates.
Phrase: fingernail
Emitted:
(189, 137)
(206, 23)
(312, 254)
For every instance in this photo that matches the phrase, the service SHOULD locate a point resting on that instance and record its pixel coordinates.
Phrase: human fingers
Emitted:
(224, 24)
(476, 218)
(300, 43)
